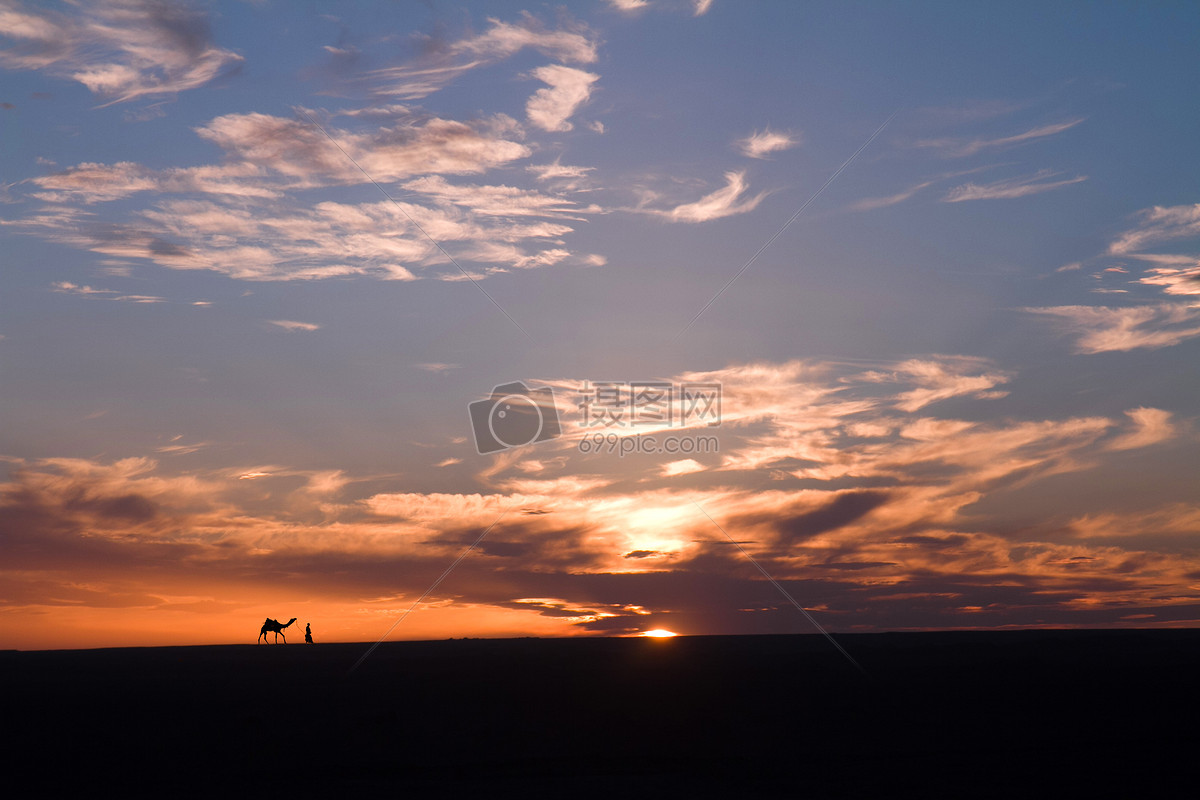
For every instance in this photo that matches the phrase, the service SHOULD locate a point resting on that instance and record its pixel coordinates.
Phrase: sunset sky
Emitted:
(942, 261)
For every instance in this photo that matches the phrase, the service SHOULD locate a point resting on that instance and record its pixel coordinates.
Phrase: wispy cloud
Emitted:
(119, 49)
(1158, 224)
(562, 176)
(971, 111)
(1182, 280)
(629, 6)
(504, 39)
(942, 378)
(1011, 188)
(269, 155)
(292, 326)
(872, 203)
(960, 147)
(498, 201)
(1100, 329)
(724, 202)
(177, 447)
(501, 40)
(404, 148)
(66, 287)
(569, 88)
(102, 183)
(1150, 426)
(701, 7)
(761, 144)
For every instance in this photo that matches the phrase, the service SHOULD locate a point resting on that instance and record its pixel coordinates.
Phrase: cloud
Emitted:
(1151, 426)
(176, 447)
(761, 144)
(504, 39)
(449, 61)
(497, 201)
(1101, 329)
(292, 326)
(102, 183)
(252, 225)
(556, 171)
(141, 298)
(724, 202)
(66, 287)
(410, 147)
(1183, 280)
(1158, 224)
(942, 378)
(972, 111)
(872, 203)
(1009, 189)
(629, 6)
(1175, 520)
(562, 176)
(701, 7)
(119, 49)
(887, 518)
(959, 148)
(682, 467)
(268, 155)
(841, 510)
(569, 88)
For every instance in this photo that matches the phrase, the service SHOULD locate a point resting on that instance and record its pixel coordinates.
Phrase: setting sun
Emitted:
(659, 633)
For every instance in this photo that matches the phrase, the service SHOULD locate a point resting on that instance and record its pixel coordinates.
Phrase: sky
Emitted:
(429, 320)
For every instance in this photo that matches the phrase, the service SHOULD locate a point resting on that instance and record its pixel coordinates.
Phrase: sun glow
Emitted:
(659, 633)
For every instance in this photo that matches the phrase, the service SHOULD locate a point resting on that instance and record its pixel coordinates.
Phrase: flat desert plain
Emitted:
(964, 714)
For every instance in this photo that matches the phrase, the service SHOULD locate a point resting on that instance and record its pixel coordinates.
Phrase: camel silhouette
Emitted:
(273, 625)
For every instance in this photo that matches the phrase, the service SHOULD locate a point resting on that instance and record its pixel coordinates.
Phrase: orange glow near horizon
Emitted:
(48, 628)
(659, 633)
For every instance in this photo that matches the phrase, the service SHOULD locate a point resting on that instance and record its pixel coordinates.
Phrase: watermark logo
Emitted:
(622, 446)
(614, 417)
(633, 404)
(513, 416)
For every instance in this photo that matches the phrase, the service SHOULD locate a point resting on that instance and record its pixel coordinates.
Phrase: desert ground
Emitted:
(967, 714)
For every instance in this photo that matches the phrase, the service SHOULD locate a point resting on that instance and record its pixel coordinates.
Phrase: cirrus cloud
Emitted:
(761, 144)
(119, 49)
(724, 202)
(569, 88)
(1100, 329)
(1011, 188)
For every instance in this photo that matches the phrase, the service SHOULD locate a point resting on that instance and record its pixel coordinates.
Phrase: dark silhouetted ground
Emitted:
(1047, 713)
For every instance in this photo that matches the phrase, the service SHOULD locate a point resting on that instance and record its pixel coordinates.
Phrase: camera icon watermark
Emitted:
(513, 416)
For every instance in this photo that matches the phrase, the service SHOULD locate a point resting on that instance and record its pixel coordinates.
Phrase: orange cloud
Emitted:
(845, 485)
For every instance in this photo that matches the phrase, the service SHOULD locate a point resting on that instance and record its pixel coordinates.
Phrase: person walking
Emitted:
(308, 633)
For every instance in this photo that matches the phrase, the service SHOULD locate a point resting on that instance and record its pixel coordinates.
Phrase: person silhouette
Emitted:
(308, 633)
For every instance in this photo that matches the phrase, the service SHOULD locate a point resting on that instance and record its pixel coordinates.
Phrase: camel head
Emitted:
(290, 621)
